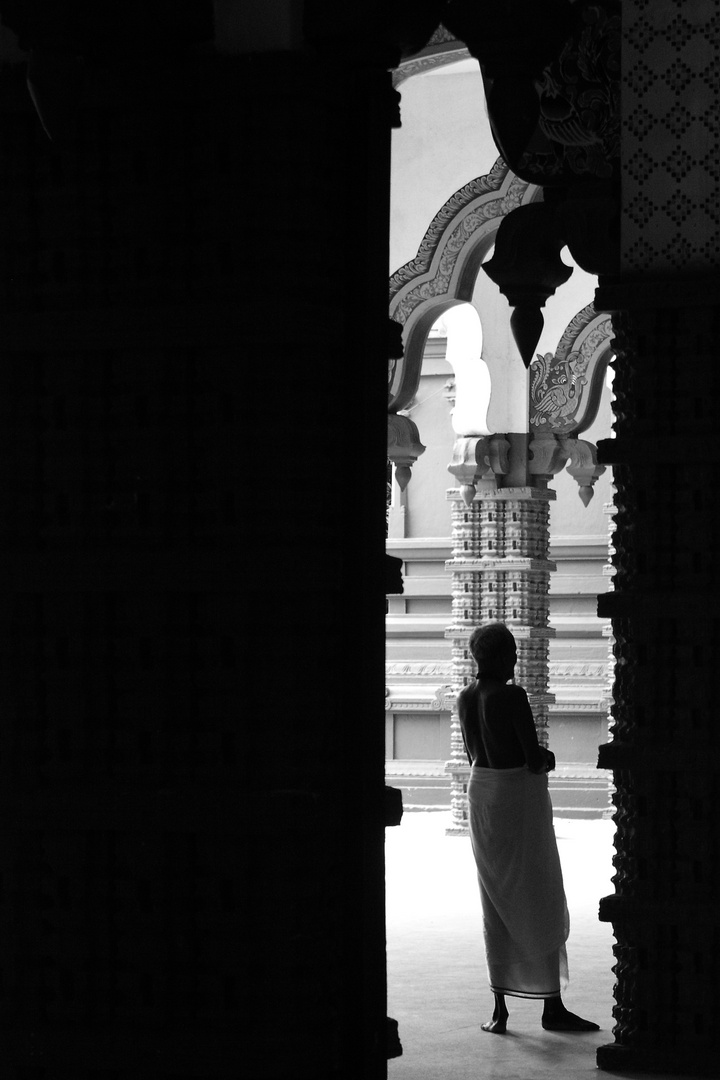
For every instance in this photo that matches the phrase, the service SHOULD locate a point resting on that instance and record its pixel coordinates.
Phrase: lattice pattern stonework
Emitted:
(671, 136)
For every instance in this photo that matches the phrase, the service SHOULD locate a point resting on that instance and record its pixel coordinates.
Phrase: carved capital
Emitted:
(404, 446)
(477, 457)
(548, 455)
(584, 466)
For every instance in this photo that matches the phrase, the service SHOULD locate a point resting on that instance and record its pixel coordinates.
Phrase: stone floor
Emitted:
(437, 983)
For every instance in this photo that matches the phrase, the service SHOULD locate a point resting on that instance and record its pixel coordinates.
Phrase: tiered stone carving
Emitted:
(500, 571)
(609, 573)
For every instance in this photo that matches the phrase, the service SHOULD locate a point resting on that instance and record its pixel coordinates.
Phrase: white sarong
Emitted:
(525, 916)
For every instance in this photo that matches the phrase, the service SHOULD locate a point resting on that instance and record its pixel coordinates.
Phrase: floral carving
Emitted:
(452, 51)
(470, 222)
(468, 217)
(482, 185)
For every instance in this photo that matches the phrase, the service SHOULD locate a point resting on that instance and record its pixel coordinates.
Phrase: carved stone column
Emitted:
(666, 742)
(500, 571)
(666, 313)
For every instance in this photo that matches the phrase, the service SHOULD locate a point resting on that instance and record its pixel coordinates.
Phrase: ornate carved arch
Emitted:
(565, 387)
(444, 270)
(442, 49)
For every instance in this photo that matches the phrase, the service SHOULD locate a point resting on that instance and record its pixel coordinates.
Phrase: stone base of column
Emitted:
(656, 1059)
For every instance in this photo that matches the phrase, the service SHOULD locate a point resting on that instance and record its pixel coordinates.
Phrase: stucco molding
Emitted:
(419, 670)
(449, 51)
(571, 670)
(418, 699)
(460, 202)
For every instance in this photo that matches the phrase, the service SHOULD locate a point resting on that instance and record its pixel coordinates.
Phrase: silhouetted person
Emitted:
(525, 918)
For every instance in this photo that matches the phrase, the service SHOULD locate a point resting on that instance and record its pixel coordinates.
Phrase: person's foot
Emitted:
(561, 1019)
(496, 1027)
(498, 1024)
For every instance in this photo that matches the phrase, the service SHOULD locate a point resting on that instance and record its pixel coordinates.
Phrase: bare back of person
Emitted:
(498, 727)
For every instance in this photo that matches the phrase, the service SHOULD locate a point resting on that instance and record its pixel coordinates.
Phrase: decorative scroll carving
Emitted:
(404, 447)
(444, 698)
(446, 265)
(565, 387)
(415, 699)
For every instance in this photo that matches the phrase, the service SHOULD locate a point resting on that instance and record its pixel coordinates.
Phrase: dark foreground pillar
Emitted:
(666, 625)
(192, 486)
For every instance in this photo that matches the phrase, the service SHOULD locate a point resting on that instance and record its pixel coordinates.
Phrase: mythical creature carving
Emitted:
(578, 98)
(553, 92)
(556, 388)
(565, 386)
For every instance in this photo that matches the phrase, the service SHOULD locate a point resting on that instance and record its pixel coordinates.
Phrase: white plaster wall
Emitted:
(428, 512)
(444, 142)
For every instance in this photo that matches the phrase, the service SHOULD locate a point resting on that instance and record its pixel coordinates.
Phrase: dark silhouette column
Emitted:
(666, 639)
(193, 291)
(666, 315)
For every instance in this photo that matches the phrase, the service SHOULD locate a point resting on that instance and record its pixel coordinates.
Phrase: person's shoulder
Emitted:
(467, 693)
(508, 690)
(507, 695)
